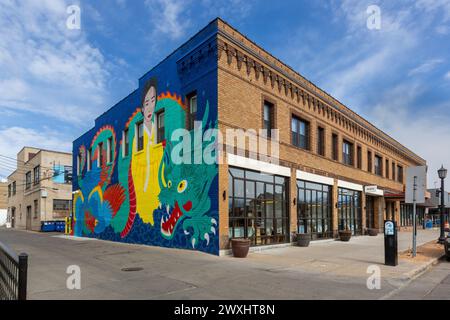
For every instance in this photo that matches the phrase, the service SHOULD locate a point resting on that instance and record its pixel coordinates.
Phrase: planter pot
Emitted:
(240, 247)
(303, 239)
(372, 232)
(345, 235)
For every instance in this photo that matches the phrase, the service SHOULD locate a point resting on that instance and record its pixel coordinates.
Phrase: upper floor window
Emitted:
(160, 132)
(347, 152)
(9, 190)
(28, 180)
(300, 133)
(140, 136)
(400, 174)
(37, 174)
(67, 174)
(79, 164)
(101, 157)
(334, 146)
(268, 118)
(14, 188)
(369, 161)
(89, 159)
(109, 151)
(387, 169)
(359, 157)
(378, 165)
(393, 171)
(126, 143)
(321, 141)
(192, 98)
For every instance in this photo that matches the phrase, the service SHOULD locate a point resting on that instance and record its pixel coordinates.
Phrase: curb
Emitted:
(408, 277)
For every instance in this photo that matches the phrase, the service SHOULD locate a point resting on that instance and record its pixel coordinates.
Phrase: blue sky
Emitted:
(55, 81)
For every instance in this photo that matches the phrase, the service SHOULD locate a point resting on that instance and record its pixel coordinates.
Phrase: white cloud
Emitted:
(169, 17)
(48, 69)
(425, 67)
(447, 75)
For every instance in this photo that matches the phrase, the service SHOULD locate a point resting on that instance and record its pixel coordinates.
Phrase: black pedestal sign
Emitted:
(390, 243)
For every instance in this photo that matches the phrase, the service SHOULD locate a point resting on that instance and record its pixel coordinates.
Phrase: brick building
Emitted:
(335, 170)
(40, 188)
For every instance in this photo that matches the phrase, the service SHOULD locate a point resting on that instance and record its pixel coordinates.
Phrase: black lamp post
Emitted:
(442, 172)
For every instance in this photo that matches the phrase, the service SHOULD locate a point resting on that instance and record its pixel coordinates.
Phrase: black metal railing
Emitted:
(13, 274)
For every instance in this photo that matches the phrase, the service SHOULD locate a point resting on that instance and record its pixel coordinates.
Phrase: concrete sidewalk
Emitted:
(325, 270)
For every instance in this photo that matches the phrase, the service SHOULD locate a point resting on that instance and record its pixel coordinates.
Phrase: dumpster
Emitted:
(48, 226)
(60, 226)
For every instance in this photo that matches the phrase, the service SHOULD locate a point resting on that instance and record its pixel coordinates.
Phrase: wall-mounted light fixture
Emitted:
(224, 195)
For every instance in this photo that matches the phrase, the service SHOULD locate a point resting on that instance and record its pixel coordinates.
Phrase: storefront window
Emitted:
(349, 210)
(258, 206)
(314, 209)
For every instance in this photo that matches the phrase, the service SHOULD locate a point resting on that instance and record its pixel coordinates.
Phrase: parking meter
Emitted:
(390, 243)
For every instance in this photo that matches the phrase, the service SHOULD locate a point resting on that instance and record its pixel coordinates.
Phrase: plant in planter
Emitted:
(240, 247)
(372, 232)
(302, 239)
(345, 235)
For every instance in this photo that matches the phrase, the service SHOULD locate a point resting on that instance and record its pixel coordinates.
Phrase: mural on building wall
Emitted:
(141, 195)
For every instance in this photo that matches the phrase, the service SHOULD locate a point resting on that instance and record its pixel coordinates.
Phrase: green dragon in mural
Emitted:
(185, 188)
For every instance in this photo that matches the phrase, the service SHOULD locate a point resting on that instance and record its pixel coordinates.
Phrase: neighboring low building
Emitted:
(336, 170)
(40, 188)
(434, 204)
(3, 202)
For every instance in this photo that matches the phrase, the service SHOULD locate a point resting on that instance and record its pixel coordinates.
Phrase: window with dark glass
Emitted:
(314, 206)
(393, 171)
(36, 209)
(9, 190)
(349, 210)
(359, 157)
(387, 169)
(62, 205)
(140, 136)
(14, 188)
(258, 206)
(321, 141)
(400, 174)
(89, 159)
(28, 180)
(347, 152)
(334, 147)
(67, 174)
(300, 133)
(268, 118)
(109, 151)
(126, 143)
(378, 165)
(100, 154)
(36, 174)
(160, 134)
(369, 161)
(192, 98)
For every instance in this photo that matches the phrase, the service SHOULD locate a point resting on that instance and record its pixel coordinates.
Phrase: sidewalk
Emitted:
(325, 270)
(345, 259)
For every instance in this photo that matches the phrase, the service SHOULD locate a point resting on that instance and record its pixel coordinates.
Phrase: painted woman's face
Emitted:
(149, 104)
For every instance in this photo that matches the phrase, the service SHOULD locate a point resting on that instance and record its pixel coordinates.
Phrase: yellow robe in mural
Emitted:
(145, 166)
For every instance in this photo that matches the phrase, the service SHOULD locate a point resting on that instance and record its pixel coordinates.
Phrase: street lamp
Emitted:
(442, 172)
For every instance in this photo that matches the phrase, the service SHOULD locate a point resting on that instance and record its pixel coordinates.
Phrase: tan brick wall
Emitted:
(24, 198)
(240, 97)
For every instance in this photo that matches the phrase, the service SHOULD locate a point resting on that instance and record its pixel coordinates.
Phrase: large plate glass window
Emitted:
(258, 206)
(349, 210)
(314, 209)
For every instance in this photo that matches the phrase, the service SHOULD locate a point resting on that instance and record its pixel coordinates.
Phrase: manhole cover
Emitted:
(131, 269)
